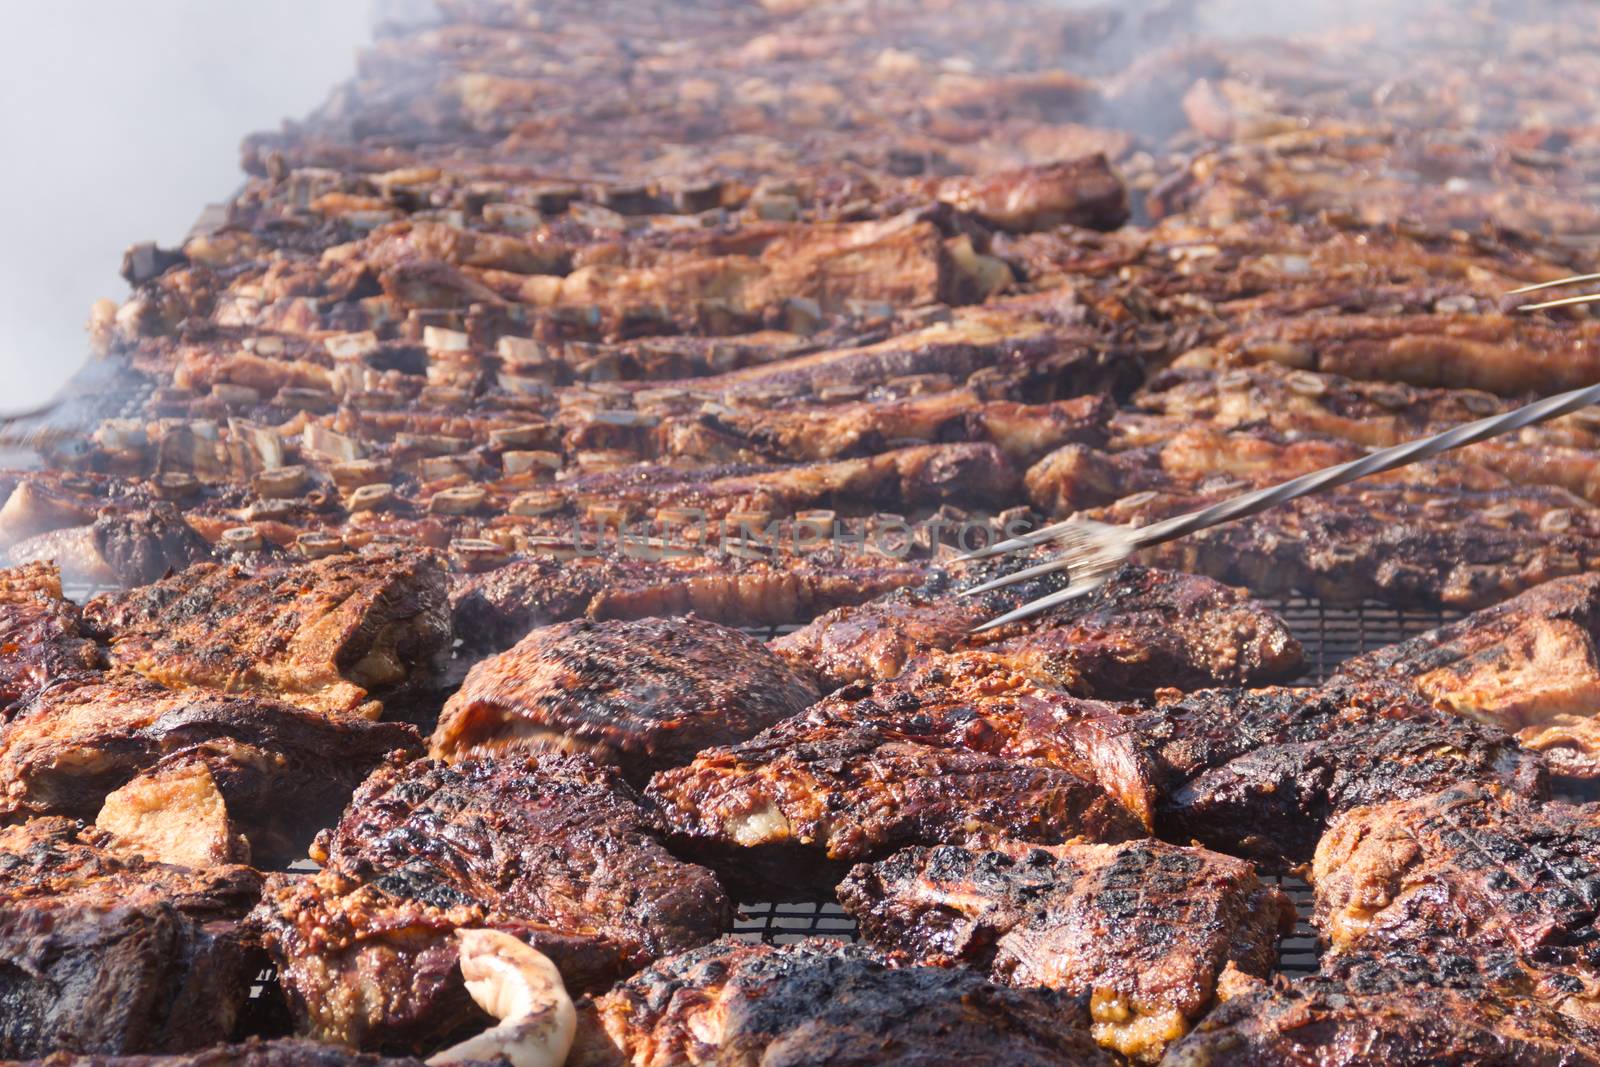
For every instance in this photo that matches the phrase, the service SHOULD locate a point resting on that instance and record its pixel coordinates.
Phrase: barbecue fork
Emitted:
(1093, 550)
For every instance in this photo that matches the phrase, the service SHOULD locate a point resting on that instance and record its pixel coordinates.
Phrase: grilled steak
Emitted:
(498, 608)
(1400, 544)
(1148, 930)
(336, 635)
(283, 1052)
(280, 772)
(642, 695)
(958, 750)
(553, 849)
(1473, 863)
(41, 639)
(1140, 631)
(1425, 1004)
(1529, 665)
(1024, 432)
(1258, 773)
(109, 953)
(822, 1002)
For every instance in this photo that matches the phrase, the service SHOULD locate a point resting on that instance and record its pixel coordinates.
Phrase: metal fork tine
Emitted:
(1014, 577)
(1028, 540)
(1044, 603)
(1555, 284)
(1587, 298)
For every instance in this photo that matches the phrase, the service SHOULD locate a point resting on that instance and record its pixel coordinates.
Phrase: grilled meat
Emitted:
(497, 608)
(1529, 665)
(1140, 631)
(281, 772)
(821, 1002)
(41, 639)
(1374, 414)
(1401, 544)
(1149, 931)
(283, 1052)
(1259, 773)
(144, 546)
(1429, 1003)
(335, 635)
(1476, 864)
(553, 849)
(644, 695)
(106, 952)
(1498, 354)
(1024, 432)
(956, 750)
(976, 475)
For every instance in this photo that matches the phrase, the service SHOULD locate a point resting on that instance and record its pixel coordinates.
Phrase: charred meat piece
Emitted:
(496, 609)
(553, 848)
(280, 771)
(1149, 931)
(282, 1052)
(103, 951)
(972, 475)
(1197, 458)
(337, 635)
(144, 546)
(41, 641)
(642, 695)
(1474, 863)
(822, 1002)
(1496, 353)
(960, 752)
(1259, 773)
(1530, 665)
(1562, 454)
(1142, 630)
(1412, 1006)
(1401, 544)
(1024, 432)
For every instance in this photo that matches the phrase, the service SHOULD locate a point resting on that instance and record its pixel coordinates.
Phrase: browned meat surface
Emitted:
(41, 639)
(1410, 1006)
(1401, 544)
(553, 849)
(1372, 414)
(1529, 666)
(144, 546)
(497, 608)
(280, 772)
(1476, 864)
(1152, 933)
(971, 475)
(106, 952)
(823, 1003)
(283, 1052)
(959, 750)
(1142, 630)
(643, 695)
(1024, 432)
(1495, 353)
(336, 635)
(1259, 773)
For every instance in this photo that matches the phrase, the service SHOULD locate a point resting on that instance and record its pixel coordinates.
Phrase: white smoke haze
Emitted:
(119, 121)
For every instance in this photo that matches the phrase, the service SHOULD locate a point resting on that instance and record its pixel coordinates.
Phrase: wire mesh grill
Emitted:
(1329, 634)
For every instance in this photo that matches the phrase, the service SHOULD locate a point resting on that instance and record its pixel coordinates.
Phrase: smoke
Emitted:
(120, 121)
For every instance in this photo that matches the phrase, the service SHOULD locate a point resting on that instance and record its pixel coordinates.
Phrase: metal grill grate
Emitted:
(1330, 635)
